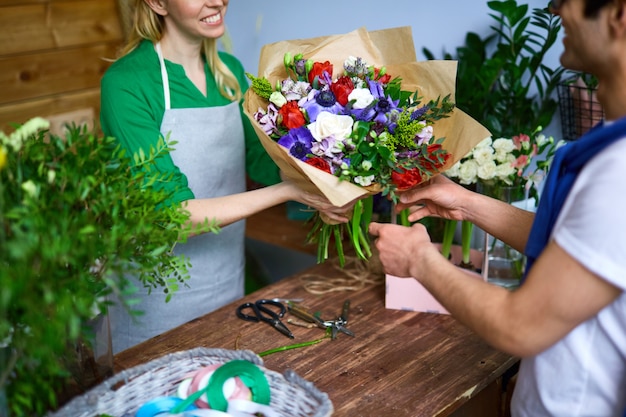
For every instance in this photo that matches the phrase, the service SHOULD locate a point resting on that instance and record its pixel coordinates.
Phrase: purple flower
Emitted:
(298, 141)
(318, 101)
(267, 120)
(382, 110)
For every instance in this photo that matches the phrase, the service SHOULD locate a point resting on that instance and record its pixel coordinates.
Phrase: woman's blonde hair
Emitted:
(149, 25)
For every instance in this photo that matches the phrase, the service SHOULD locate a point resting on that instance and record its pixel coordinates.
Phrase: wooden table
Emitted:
(398, 364)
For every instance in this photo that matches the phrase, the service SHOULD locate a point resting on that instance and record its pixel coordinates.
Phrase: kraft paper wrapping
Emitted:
(391, 48)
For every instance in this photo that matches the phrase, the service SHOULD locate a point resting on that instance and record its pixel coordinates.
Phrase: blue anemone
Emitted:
(298, 141)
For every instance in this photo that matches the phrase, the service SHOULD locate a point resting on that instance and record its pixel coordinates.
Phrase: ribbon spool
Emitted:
(248, 372)
(161, 406)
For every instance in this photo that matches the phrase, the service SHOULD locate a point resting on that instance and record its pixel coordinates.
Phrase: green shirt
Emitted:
(132, 108)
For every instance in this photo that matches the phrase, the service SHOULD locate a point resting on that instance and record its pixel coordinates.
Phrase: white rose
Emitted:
(453, 172)
(468, 172)
(503, 171)
(362, 96)
(278, 99)
(486, 171)
(504, 145)
(328, 124)
(483, 154)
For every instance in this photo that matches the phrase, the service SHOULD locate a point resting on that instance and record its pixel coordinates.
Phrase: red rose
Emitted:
(292, 117)
(319, 163)
(342, 89)
(406, 179)
(318, 69)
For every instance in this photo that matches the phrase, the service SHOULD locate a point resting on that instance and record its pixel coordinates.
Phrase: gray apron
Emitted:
(211, 153)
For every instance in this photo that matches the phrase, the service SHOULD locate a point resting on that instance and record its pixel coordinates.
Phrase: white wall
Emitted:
(436, 24)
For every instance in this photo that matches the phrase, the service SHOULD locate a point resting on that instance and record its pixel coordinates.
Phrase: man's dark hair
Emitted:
(592, 7)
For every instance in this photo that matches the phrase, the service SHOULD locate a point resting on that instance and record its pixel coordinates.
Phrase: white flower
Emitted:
(362, 96)
(328, 124)
(17, 138)
(541, 139)
(364, 181)
(503, 145)
(486, 171)
(468, 172)
(504, 171)
(30, 188)
(278, 99)
(366, 165)
(483, 154)
(51, 176)
(453, 171)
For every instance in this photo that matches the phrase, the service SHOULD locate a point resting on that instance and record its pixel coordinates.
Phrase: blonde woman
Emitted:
(171, 79)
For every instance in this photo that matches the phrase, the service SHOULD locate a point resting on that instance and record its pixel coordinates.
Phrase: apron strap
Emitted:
(164, 77)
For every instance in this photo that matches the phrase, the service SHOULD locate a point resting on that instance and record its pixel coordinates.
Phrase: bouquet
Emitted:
(346, 126)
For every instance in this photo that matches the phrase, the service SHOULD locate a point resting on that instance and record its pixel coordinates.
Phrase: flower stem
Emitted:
(448, 235)
(296, 345)
(466, 237)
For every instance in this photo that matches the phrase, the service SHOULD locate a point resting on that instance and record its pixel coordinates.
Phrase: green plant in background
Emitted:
(76, 221)
(502, 81)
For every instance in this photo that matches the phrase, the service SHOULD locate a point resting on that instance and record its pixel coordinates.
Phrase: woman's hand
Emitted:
(332, 213)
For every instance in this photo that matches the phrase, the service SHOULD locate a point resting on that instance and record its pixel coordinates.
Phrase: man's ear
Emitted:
(157, 6)
(618, 17)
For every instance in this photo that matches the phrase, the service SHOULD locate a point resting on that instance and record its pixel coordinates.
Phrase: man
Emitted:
(568, 319)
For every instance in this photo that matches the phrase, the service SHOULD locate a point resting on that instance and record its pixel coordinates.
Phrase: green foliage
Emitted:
(496, 75)
(77, 218)
(260, 86)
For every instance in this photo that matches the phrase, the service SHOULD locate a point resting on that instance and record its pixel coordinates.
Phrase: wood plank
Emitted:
(42, 26)
(48, 106)
(27, 77)
(29, 29)
(93, 21)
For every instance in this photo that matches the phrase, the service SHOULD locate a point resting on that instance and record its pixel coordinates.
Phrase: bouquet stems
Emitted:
(357, 229)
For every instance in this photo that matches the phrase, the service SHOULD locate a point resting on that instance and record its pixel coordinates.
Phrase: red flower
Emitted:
(342, 88)
(384, 79)
(406, 179)
(319, 68)
(292, 117)
(435, 158)
(319, 163)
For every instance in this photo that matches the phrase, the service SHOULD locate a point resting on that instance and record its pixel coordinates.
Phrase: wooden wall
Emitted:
(52, 56)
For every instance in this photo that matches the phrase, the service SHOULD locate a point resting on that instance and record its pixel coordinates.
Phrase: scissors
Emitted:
(337, 325)
(262, 313)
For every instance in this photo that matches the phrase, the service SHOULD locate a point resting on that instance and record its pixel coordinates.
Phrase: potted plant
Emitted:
(502, 80)
(77, 219)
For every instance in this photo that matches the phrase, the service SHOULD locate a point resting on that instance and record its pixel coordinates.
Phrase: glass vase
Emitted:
(504, 265)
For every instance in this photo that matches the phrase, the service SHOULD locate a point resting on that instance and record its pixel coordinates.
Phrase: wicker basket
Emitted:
(123, 394)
